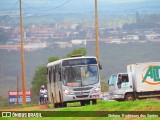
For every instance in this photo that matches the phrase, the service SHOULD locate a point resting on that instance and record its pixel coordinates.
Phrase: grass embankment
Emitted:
(138, 105)
(18, 106)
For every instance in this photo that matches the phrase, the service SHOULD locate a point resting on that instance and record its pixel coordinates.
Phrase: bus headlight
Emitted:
(97, 89)
(67, 92)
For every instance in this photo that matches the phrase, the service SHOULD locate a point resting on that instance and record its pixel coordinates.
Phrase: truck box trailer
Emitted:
(142, 80)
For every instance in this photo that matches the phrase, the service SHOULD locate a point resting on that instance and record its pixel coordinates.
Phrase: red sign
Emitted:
(20, 93)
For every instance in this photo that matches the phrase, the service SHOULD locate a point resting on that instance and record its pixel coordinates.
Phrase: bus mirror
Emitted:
(100, 66)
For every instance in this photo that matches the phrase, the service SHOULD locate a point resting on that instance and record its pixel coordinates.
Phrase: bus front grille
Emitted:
(82, 89)
(82, 96)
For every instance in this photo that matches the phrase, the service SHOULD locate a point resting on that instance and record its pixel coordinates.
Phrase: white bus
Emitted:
(73, 79)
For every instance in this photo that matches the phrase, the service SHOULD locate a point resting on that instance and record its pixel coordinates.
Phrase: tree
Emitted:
(79, 51)
(104, 85)
(40, 76)
(52, 59)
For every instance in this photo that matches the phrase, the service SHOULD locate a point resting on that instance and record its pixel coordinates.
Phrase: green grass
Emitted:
(138, 105)
(27, 105)
(18, 106)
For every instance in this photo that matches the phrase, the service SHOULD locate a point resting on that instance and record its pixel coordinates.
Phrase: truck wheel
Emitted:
(129, 97)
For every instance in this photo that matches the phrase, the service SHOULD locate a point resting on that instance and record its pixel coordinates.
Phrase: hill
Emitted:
(113, 57)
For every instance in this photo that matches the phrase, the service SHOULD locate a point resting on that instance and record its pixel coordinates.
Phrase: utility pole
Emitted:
(22, 56)
(96, 27)
(17, 90)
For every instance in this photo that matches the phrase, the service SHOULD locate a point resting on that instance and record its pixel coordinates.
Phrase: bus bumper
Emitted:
(81, 97)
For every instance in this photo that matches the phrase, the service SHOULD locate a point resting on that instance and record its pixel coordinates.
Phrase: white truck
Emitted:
(141, 81)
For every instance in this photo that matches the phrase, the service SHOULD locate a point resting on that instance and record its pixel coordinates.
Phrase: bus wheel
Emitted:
(55, 105)
(82, 103)
(64, 104)
(94, 102)
(129, 97)
(87, 102)
(60, 105)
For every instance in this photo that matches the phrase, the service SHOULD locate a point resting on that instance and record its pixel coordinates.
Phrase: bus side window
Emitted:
(54, 74)
(58, 75)
(59, 72)
(50, 76)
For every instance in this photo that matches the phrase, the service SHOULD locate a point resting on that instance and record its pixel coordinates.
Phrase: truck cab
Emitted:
(121, 87)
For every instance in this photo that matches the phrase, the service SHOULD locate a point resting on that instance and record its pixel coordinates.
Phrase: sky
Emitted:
(81, 5)
(83, 1)
(73, 1)
(114, 1)
(123, 1)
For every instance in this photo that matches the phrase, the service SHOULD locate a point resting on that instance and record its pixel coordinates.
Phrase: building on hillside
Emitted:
(132, 37)
(67, 26)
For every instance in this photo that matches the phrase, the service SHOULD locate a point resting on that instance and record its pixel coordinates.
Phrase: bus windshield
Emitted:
(80, 75)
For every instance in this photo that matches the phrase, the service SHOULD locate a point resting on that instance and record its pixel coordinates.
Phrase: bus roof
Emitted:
(71, 58)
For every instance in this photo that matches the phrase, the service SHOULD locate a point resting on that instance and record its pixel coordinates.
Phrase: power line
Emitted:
(60, 5)
(66, 2)
(10, 10)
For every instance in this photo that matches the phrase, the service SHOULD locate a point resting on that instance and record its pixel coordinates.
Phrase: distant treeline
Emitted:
(144, 22)
(140, 26)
